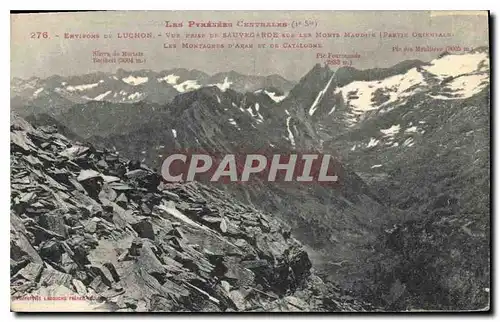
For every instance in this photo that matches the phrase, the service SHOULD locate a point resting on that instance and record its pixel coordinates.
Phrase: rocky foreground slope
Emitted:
(104, 233)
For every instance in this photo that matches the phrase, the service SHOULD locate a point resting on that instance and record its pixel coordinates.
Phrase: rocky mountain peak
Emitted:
(318, 72)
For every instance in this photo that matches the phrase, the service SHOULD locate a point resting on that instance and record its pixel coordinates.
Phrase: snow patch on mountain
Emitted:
(101, 96)
(365, 96)
(391, 131)
(225, 85)
(412, 129)
(134, 81)
(373, 142)
(465, 86)
(361, 94)
(169, 79)
(135, 95)
(259, 118)
(188, 85)
(81, 88)
(320, 95)
(291, 138)
(455, 65)
(408, 142)
(250, 111)
(274, 97)
(358, 94)
(233, 122)
(38, 91)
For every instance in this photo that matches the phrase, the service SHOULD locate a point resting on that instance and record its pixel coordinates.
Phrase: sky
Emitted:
(34, 55)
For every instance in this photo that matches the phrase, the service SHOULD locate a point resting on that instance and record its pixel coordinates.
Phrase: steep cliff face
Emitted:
(107, 234)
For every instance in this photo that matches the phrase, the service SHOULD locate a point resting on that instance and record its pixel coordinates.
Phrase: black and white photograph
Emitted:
(250, 161)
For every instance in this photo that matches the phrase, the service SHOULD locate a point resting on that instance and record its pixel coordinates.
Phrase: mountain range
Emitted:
(57, 92)
(407, 229)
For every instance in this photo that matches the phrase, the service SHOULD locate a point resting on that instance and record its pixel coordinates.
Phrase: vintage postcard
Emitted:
(250, 161)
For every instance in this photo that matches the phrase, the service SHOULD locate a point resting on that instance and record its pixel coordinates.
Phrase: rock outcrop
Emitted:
(88, 226)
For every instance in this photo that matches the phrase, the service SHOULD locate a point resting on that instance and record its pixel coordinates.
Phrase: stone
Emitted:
(136, 174)
(74, 151)
(223, 226)
(107, 193)
(51, 250)
(88, 174)
(238, 273)
(238, 299)
(30, 272)
(52, 276)
(122, 201)
(144, 229)
(54, 221)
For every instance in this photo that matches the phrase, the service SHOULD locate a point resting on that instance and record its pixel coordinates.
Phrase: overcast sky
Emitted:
(46, 57)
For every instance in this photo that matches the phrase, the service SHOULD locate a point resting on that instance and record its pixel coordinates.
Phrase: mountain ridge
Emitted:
(134, 86)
